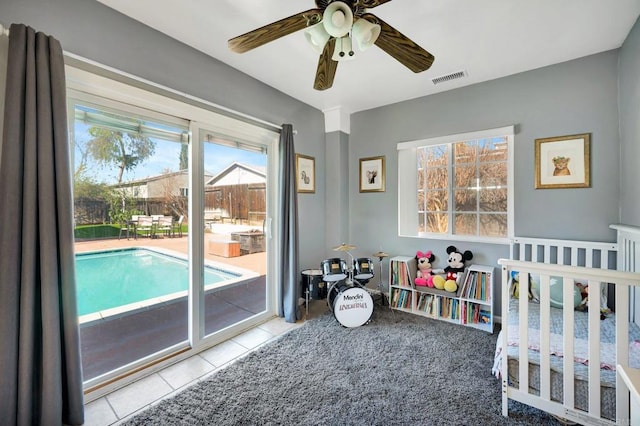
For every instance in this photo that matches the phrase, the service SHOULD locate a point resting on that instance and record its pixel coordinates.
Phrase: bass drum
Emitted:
(351, 306)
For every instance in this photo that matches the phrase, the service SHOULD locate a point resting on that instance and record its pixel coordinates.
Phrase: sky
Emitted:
(166, 157)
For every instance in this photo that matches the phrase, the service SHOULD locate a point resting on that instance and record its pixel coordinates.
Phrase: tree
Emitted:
(124, 150)
(174, 199)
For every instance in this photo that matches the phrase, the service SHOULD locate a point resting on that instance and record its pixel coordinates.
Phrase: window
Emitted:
(457, 186)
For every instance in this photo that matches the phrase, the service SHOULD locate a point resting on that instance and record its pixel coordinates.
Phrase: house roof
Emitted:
(152, 178)
(236, 173)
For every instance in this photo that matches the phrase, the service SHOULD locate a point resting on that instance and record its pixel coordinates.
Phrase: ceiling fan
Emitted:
(331, 28)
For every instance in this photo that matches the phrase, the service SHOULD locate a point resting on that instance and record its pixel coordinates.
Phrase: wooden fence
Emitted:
(244, 203)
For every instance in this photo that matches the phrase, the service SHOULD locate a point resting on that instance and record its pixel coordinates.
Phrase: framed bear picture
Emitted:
(563, 162)
(372, 174)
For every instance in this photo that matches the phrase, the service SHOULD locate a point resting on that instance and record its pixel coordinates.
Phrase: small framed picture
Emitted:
(372, 174)
(305, 173)
(563, 162)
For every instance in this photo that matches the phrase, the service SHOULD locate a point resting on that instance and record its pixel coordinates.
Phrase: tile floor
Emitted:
(120, 405)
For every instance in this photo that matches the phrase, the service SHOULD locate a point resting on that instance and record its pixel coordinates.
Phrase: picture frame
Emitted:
(305, 174)
(563, 162)
(372, 174)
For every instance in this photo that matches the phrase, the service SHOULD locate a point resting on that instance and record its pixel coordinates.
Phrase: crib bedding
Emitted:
(581, 368)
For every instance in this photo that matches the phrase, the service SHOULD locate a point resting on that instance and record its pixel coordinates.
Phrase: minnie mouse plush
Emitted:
(423, 276)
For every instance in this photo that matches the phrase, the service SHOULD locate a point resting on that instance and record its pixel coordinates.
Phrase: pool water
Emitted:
(114, 278)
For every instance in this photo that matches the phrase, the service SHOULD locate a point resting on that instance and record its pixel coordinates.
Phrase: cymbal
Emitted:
(344, 247)
(380, 254)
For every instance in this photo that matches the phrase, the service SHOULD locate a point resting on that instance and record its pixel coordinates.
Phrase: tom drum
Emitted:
(363, 269)
(351, 306)
(313, 284)
(333, 269)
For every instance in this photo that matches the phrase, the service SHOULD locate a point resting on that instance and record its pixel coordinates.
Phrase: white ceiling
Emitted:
(487, 39)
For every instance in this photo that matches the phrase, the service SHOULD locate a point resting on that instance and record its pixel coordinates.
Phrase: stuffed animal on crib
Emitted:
(455, 267)
(423, 275)
(515, 286)
(584, 304)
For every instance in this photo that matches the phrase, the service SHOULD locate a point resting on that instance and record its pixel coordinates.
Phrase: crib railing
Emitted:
(596, 278)
(565, 252)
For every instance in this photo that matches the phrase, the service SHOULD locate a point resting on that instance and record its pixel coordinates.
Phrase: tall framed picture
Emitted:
(563, 162)
(305, 173)
(372, 174)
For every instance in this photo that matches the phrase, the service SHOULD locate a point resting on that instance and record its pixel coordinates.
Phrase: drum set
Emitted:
(347, 296)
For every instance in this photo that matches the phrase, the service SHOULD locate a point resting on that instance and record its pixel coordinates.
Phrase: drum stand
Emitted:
(381, 255)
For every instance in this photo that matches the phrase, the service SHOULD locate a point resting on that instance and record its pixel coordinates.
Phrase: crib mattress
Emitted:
(581, 369)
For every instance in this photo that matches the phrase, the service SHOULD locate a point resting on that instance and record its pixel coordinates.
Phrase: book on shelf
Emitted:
(401, 298)
(476, 286)
(400, 272)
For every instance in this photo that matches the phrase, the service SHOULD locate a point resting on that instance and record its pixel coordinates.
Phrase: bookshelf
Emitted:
(471, 305)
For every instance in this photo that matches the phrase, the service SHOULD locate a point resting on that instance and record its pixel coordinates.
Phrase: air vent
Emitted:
(449, 77)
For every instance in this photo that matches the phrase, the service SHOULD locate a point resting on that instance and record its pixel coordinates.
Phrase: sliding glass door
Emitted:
(172, 230)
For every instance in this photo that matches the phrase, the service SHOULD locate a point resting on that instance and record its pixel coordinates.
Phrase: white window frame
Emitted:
(408, 185)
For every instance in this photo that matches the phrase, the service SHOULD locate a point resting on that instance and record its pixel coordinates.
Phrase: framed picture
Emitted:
(305, 173)
(563, 162)
(372, 174)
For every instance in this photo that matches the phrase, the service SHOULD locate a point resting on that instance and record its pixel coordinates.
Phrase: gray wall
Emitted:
(94, 31)
(579, 96)
(629, 99)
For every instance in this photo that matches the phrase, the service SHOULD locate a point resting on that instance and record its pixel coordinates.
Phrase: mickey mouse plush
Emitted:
(455, 267)
(423, 275)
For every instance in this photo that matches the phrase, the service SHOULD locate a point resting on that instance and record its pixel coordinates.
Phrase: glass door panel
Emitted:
(130, 206)
(234, 212)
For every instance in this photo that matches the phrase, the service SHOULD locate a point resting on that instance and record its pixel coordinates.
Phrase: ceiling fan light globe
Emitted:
(317, 37)
(365, 33)
(337, 19)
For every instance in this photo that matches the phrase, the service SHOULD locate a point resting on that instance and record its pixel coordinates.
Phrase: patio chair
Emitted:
(165, 225)
(129, 227)
(177, 226)
(145, 225)
(124, 229)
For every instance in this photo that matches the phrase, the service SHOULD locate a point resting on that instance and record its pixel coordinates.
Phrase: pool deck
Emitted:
(255, 262)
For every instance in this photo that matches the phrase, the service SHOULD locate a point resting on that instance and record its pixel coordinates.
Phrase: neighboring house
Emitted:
(160, 186)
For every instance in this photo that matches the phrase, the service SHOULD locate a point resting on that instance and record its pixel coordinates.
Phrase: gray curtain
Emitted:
(288, 228)
(40, 369)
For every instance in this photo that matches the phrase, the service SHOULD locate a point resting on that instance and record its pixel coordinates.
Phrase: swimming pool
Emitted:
(111, 279)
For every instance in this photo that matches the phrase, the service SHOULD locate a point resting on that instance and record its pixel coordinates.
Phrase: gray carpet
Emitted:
(399, 369)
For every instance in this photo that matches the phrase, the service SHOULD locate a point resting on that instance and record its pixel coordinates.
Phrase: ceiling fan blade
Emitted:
(326, 67)
(275, 30)
(370, 4)
(402, 48)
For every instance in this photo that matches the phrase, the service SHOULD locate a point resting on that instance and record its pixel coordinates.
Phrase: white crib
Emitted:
(566, 366)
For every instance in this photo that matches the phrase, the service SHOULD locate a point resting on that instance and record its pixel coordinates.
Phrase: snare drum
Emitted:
(351, 306)
(333, 269)
(363, 269)
(313, 285)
